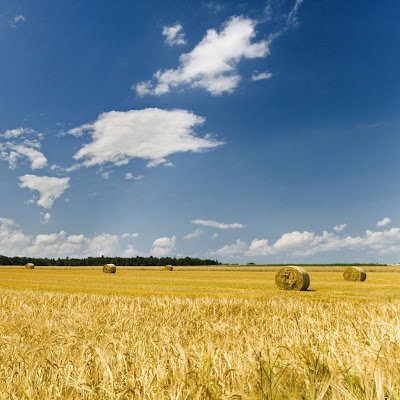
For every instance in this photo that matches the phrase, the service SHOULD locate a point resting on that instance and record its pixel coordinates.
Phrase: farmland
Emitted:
(197, 333)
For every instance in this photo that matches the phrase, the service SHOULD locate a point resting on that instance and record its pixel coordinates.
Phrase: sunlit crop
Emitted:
(308, 345)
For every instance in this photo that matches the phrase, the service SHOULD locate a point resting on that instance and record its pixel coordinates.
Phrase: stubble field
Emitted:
(197, 333)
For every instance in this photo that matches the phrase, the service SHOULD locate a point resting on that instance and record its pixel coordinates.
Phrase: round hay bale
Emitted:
(292, 278)
(354, 274)
(168, 268)
(30, 266)
(109, 269)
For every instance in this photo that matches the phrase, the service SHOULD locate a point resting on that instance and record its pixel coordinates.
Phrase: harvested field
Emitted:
(197, 335)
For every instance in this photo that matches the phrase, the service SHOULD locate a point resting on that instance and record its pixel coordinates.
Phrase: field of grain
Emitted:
(197, 334)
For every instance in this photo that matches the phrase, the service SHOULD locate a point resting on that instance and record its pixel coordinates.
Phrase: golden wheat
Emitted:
(77, 346)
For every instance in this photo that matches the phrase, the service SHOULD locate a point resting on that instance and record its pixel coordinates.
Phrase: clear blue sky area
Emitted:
(263, 132)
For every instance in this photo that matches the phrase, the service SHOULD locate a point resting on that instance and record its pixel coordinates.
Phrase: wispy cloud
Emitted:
(290, 20)
(17, 20)
(216, 224)
(130, 176)
(106, 175)
(261, 76)
(214, 6)
(130, 235)
(194, 235)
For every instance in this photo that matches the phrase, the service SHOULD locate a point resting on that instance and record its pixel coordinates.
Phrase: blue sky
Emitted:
(264, 131)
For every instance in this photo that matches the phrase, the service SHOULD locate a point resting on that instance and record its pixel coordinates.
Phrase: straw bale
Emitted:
(30, 266)
(354, 274)
(168, 268)
(292, 278)
(109, 269)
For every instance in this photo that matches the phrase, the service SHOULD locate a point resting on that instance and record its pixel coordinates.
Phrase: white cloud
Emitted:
(385, 221)
(174, 35)
(233, 250)
(37, 159)
(46, 218)
(216, 224)
(12, 241)
(62, 245)
(292, 19)
(49, 188)
(150, 134)
(214, 6)
(274, 12)
(259, 248)
(13, 133)
(339, 228)
(132, 235)
(212, 64)
(261, 76)
(163, 246)
(294, 240)
(130, 176)
(106, 175)
(103, 244)
(305, 244)
(131, 252)
(18, 19)
(19, 146)
(194, 235)
(11, 152)
(214, 236)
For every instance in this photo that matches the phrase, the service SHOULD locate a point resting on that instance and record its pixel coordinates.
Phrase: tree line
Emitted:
(91, 261)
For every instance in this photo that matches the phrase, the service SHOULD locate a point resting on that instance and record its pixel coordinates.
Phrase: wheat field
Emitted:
(203, 335)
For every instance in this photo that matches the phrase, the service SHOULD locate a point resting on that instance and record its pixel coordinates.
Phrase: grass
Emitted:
(197, 334)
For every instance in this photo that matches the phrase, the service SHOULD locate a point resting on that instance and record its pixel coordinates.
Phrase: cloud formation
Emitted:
(12, 152)
(302, 244)
(261, 76)
(18, 19)
(174, 35)
(163, 246)
(128, 176)
(339, 228)
(13, 133)
(50, 188)
(14, 242)
(385, 221)
(46, 218)
(212, 64)
(194, 235)
(18, 145)
(219, 225)
(130, 235)
(151, 134)
(238, 248)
